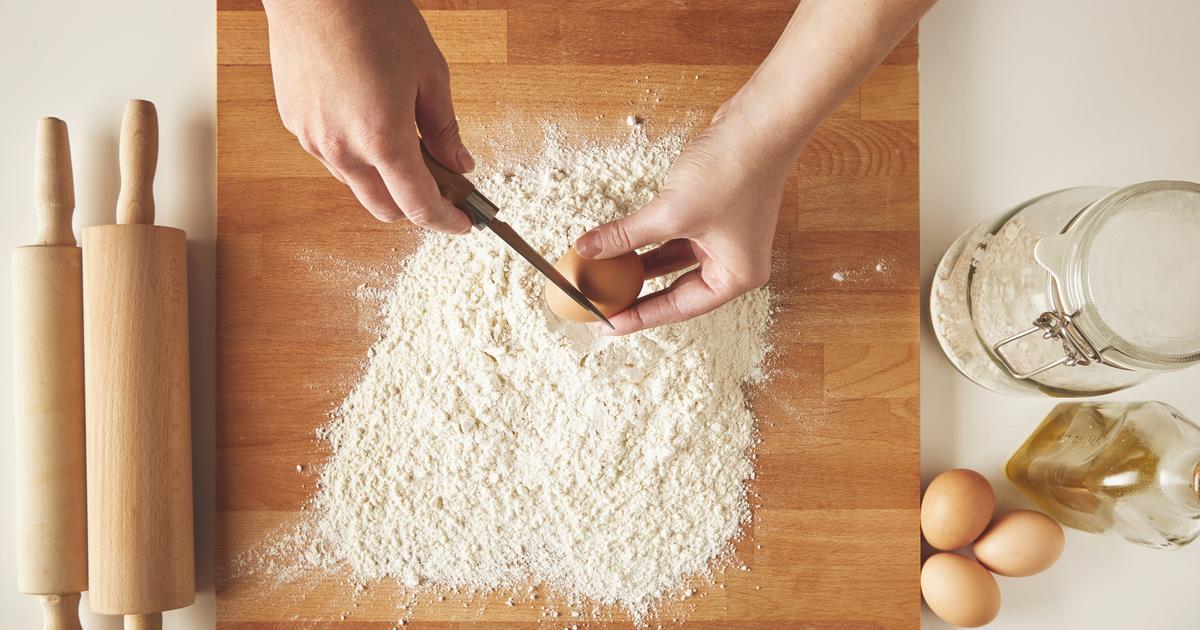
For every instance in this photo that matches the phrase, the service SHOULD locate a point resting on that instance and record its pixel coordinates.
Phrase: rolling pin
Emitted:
(139, 455)
(48, 390)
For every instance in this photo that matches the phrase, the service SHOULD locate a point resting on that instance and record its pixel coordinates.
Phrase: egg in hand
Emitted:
(612, 284)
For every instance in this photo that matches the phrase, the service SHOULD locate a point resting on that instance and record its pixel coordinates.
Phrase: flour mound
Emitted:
(489, 444)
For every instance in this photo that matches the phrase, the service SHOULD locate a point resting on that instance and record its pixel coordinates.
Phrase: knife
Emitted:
(482, 212)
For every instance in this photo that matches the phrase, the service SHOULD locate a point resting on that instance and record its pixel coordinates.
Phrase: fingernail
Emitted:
(465, 160)
(588, 245)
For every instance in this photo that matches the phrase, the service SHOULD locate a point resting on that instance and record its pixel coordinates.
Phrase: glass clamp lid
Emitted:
(1125, 281)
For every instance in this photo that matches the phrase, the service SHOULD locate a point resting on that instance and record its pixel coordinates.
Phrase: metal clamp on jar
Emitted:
(1078, 292)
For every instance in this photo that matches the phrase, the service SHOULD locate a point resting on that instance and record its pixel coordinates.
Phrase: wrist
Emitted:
(307, 10)
(769, 123)
(757, 136)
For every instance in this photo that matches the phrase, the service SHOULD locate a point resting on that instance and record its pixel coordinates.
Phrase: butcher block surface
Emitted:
(834, 541)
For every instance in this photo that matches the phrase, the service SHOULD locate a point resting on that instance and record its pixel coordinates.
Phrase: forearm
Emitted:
(827, 49)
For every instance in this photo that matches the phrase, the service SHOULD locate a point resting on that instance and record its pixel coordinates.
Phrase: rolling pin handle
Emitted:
(61, 612)
(139, 158)
(54, 184)
(147, 621)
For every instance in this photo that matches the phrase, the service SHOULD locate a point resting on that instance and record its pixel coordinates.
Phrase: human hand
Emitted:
(351, 78)
(717, 208)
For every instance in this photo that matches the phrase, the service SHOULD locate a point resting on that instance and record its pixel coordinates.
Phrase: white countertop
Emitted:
(81, 61)
(1020, 98)
(1017, 98)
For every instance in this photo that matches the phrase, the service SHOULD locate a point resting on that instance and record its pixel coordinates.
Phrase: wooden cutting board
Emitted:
(835, 541)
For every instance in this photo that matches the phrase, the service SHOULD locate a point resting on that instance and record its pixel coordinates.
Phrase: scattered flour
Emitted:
(489, 445)
(950, 314)
(857, 275)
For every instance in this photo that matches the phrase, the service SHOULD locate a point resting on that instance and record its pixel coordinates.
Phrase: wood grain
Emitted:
(833, 543)
(141, 559)
(47, 289)
(51, 515)
(464, 36)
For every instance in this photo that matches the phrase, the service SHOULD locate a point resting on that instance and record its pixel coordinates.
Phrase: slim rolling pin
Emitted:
(48, 389)
(138, 413)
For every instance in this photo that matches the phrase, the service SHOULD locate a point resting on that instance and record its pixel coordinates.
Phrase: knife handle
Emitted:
(460, 191)
(453, 186)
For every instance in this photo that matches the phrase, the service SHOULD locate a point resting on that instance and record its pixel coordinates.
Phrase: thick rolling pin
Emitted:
(139, 452)
(48, 389)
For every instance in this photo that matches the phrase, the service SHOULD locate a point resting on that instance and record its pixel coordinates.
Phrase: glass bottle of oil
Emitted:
(1127, 468)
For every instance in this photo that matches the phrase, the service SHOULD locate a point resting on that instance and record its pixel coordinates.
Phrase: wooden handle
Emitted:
(453, 186)
(54, 183)
(139, 158)
(148, 621)
(61, 612)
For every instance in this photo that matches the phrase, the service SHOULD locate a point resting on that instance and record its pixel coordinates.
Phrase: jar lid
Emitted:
(1128, 270)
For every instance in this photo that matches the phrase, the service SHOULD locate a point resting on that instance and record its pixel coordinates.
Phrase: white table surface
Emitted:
(81, 61)
(1024, 97)
(1017, 98)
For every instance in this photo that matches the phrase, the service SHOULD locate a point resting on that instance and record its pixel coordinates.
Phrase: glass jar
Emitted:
(1078, 292)
(1130, 469)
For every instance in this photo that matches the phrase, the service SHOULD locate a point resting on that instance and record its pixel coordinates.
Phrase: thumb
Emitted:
(439, 127)
(626, 234)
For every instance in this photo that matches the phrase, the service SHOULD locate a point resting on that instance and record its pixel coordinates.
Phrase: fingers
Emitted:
(329, 167)
(689, 296)
(364, 180)
(672, 256)
(439, 126)
(651, 224)
(413, 189)
(394, 189)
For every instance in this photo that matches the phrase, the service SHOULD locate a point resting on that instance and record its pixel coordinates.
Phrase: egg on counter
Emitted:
(1020, 543)
(611, 284)
(957, 506)
(959, 590)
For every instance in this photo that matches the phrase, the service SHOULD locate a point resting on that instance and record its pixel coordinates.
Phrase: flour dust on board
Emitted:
(489, 445)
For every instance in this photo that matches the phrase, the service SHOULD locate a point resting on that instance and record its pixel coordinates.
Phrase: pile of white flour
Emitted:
(488, 444)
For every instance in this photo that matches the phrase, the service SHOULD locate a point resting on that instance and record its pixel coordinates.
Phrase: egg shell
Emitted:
(956, 508)
(959, 590)
(612, 284)
(1020, 544)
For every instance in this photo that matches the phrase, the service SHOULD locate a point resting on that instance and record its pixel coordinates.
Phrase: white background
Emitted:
(80, 61)
(1017, 98)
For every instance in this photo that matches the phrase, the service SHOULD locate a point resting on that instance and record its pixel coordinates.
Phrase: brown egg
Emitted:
(611, 284)
(1020, 543)
(959, 590)
(956, 508)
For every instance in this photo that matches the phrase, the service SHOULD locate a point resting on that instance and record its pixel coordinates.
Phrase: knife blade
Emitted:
(482, 212)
